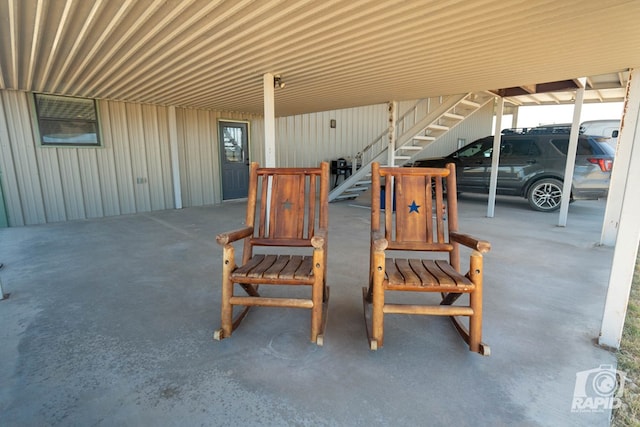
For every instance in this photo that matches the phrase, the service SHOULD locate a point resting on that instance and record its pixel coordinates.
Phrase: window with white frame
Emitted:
(65, 120)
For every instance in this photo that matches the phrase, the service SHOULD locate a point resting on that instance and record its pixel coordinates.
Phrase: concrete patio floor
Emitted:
(110, 322)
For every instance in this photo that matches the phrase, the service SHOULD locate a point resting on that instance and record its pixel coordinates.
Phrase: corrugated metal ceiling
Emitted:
(331, 54)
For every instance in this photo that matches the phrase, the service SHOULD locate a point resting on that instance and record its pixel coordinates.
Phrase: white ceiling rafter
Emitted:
(334, 54)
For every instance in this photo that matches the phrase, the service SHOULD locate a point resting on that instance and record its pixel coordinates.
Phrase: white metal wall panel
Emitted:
(71, 184)
(199, 152)
(122, 157)
(308, 139)
(25, 164)
(207, 146)
(10, 190)
(90, 180)
(50, 179)
(49, 184)
(107, 164)
(256, 140)
(158, 159)
(138, 157)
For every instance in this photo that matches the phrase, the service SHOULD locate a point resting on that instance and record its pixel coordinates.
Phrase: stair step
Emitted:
(470, 103)
(411, 148)
(424, 138)
(355, 190)
(346, 196)
(453, 116)
(402, 157)
(438, 127)
(363, 182)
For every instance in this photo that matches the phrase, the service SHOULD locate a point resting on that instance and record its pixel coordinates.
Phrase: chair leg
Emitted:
(226, 312)
(475, 321)
(377, 317)
(316, 310)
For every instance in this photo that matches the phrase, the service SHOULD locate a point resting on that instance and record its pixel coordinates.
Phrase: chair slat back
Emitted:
(288, 212)
(421, 213)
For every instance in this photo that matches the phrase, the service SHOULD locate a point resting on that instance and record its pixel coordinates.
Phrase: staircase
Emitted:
(420, 126)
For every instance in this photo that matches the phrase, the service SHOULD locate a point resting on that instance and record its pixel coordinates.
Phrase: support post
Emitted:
(571, 158)
(620, 167)
(495, 158)
(626, 248)
(269, 121)
(393, 118)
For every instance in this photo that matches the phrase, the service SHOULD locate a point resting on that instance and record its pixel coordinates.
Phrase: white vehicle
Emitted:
(606, 128)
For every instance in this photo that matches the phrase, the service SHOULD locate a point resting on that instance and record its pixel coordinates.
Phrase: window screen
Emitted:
(64, 120)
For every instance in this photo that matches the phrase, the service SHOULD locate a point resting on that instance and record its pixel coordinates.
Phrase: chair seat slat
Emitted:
(266, 263)
(273, 272)
(409, 277)
(250, 265)
(305, 269)
(451, 272)
(425, 275)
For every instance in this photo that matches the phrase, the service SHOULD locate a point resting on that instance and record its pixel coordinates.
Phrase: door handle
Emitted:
(532, 161)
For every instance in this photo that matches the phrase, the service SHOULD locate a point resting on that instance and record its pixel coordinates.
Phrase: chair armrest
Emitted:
(481, 246)
(378, 241)
(319, 239)
(232, 236)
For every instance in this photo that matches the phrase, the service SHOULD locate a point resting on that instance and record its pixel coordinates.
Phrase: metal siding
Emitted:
(122, 157)
(9, 180)
(139, 175)
(71, 186)
(49, 167)
(107, 164)
(154, 144)
(192, 151)
(25, 164)
(90, 181)
(47, 184)
(308, 139)
(210, 55)
(207, 142)
(256, 143)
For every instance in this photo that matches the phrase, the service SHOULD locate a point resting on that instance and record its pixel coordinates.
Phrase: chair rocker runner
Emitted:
(419, 227)
(286, 217)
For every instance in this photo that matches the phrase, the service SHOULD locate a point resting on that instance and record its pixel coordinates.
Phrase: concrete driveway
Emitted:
(110, 322)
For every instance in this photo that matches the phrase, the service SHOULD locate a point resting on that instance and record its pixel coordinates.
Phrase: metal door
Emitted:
(234, 155)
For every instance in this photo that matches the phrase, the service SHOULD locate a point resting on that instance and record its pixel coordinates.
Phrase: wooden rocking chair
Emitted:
(287, 217)
(417, 194)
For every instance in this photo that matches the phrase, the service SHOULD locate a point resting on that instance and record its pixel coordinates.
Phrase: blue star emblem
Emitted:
(413, 207)
(287, 205)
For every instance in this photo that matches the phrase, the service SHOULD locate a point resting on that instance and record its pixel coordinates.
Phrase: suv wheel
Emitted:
(545, 195)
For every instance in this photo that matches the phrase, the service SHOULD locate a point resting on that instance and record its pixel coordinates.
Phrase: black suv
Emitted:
(532, 163)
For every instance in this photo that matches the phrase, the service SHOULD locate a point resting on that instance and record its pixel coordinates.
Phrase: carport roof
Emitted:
(331, 54)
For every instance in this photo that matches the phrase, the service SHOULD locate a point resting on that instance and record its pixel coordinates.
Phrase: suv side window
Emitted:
(520, 147)
(562, 144)
(481, 148)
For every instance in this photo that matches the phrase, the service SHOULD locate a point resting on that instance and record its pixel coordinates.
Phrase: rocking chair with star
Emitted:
(417, 250)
